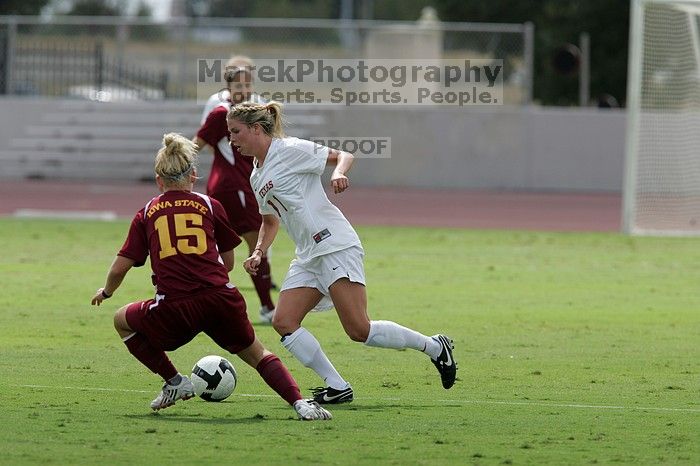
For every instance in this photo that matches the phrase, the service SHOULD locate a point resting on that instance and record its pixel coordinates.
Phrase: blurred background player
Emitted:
(190, 243)
(229, 180)
(286, 179)
(224, 95)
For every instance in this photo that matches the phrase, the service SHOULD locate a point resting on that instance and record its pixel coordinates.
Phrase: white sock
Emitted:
(304, 346)
(387, 334)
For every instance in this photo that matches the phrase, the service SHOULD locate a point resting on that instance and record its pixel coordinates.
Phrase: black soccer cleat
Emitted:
(331, 396)
(445, 363)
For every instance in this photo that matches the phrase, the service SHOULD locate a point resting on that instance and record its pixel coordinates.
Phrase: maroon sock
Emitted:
(276, 375)
(263, 283)
(156, 360)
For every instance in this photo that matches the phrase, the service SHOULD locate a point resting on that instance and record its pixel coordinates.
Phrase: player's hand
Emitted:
(252, 263)
(99, 297)
(339, 182)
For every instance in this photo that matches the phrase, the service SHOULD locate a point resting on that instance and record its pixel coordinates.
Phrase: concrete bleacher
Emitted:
(73, 139)
(495, 147)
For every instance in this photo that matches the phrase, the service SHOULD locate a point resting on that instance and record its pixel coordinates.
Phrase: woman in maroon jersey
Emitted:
(190, 242)
(229, 180)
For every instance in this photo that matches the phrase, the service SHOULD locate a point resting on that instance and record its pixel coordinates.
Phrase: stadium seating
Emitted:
(116, 141)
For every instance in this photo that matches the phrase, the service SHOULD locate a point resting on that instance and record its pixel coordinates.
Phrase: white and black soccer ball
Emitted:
(214, 378)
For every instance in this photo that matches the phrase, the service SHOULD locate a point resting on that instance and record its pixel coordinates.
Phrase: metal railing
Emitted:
(77, 69)
(167, 53)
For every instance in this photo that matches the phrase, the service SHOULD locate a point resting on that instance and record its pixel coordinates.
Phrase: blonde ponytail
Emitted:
(268, 116)
(177, 159)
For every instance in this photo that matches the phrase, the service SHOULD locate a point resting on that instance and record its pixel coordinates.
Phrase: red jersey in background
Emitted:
(230, 170)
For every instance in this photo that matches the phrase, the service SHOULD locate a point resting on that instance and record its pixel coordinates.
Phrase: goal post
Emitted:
(661, 193)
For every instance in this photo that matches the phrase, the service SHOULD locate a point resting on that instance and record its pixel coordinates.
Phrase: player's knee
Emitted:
(358, 333)
(120, 323)
(253, 354)
(283, 324)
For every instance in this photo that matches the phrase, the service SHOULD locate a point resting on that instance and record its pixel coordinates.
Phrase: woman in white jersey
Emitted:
(286, 180)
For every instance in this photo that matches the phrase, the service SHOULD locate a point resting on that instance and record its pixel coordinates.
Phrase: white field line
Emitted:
(544, 404)
(104, 215)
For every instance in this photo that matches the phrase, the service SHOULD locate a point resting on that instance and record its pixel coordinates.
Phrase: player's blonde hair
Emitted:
(268, 116)
(176, 160)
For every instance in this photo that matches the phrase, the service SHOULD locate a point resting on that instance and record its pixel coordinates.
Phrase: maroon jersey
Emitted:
(230, 170)
(183, 233)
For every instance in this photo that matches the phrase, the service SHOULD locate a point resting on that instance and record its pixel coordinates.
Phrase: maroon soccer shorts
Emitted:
(169, 324)
(242, 210)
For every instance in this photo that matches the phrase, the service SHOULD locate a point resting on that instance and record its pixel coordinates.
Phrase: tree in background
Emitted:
(96, 8)
(143, 10)
(100, 7)
(558, 22)
(294, 9)
(392, 10)
(113, 8)
(266, 9)
(230, 8)
(22, 7)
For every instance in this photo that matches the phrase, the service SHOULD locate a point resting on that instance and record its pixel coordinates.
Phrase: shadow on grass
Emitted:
(359, 405)
(198, 418)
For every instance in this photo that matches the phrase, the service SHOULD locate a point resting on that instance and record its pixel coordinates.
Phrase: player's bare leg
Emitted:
(177, 386)
(120, 323)
(292, 307)
(350, 300)
(277, 376)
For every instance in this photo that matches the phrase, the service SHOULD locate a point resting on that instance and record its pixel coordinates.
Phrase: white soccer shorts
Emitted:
(322, 271)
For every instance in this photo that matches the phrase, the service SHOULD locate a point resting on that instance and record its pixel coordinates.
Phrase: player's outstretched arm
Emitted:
(120, 267)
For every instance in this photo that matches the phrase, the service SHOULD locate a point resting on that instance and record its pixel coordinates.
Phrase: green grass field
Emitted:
(572, 349)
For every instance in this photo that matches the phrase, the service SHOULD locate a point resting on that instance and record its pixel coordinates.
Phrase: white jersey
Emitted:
(288, 185)
(221, 97)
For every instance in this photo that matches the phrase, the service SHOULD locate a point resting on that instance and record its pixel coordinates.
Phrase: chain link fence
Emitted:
(117, 59)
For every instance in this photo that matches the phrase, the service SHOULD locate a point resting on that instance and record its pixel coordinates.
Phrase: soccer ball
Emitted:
(214, 378)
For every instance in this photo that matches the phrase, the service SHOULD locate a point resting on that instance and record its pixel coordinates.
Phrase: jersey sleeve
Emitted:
(265, 209)
(226, 238)
(214, 127)
(213, 102)
(307, 157)
(135, 246)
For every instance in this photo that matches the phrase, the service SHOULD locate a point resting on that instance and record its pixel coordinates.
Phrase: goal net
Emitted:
(662, 166)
